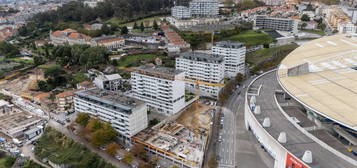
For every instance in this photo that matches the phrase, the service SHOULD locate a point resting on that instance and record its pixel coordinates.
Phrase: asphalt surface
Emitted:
(297, 142)
(239, 147)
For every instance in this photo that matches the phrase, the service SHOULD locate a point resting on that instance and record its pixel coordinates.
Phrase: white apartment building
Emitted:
(127, 115)
(346, 28)
(163, 89)
(180, 12)
(234, 57)
(202, 67)
(204, 8)
(111, 82)
(282, 24)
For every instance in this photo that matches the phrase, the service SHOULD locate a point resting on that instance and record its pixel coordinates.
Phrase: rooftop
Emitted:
(201, 56)
(157, 70)
(229, 44)
(117, 99)
(320, 74)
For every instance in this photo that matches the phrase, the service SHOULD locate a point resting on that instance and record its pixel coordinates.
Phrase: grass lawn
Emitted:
(251, 38)
(267, 53)
(135, 60)
(21, 60)
(147, 21)
(317, 31)
(59, 149)
(47, 66)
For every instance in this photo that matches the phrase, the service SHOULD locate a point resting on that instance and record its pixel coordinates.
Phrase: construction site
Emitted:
(181, 138)
(14, 121)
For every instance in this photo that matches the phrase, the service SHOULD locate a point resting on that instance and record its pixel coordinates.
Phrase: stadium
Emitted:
(305, 112)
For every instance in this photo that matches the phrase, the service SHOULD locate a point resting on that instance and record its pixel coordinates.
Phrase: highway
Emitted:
(239, 147)
(297, 142)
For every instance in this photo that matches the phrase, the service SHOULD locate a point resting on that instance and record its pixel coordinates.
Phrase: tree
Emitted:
(135, 26)
(94, 125)
(305, 18)
(155, 25)
(38, 60)
(42, 86)
(153, 122)
(321, 26)
(142, 27)
(303, 25)
(128, 158)
(105, 29)
(138, 150)
(112, 149)
(8, 50)
(212, 162)
(82, 119)
(124, 30)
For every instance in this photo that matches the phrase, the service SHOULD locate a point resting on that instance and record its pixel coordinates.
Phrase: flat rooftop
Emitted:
(327, 82)
(201, 56)
(229, 44)
(110, 97)
(158, 71)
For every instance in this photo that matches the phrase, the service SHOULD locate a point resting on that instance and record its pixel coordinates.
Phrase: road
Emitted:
(297, 142)
(239, 146)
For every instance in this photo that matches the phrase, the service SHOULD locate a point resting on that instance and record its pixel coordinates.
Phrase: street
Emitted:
(239, 146)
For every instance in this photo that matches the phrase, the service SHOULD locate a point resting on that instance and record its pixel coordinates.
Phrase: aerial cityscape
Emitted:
(178, 84)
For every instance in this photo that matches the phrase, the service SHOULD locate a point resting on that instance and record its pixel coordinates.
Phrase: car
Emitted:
(118, 157)
(60, 122)
(102, 148)
(68, 120)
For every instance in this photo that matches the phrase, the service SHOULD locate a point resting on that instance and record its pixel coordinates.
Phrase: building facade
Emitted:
(202, 67)
(282, 24)
(346, 28)
(109, 42)
(234, 57)
(180, 12)
(127, 115)
(163, 89)
(111, 82)
(204, 8)
(69, 37)
(64, 100)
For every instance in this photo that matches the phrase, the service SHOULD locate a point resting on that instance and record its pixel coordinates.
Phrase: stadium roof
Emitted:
(322, 74)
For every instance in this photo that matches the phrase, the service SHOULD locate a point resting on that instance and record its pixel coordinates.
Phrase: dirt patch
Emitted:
(195, 117)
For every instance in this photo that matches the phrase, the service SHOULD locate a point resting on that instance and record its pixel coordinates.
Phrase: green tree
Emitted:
(321, 26)
(8, 50)
(124, 30)
(112, 149)
(128, 158)
(212, 162)
(105, 29)
(303, 25)
(38, 60)
(82, 119)
(142, 27)
(135, 26)
(305, 18)
(155, 25)
(94, 125)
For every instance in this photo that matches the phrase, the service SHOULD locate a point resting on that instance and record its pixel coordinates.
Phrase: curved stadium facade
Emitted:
(304, 114)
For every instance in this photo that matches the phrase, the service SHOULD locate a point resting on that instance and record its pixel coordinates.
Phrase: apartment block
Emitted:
(282, 24)
(64, 100)
(347, 28)
(163, 89)
(180, 12)
(204, 8)
(127, 115)
(234, 57)
(111, 82)
(202, 67)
